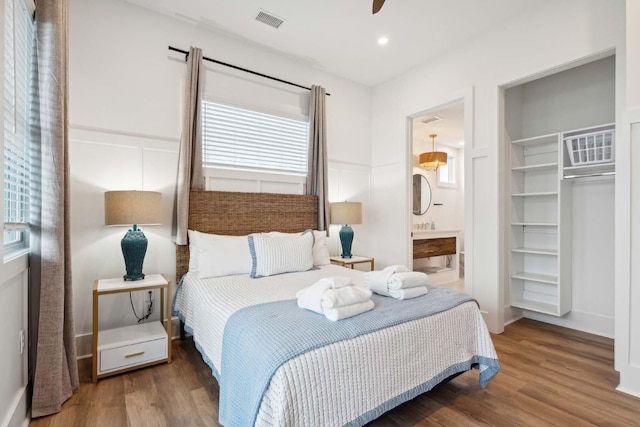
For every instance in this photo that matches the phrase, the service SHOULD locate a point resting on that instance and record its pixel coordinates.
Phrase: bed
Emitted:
(347, 382)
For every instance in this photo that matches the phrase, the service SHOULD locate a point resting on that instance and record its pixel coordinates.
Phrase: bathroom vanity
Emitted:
(437, 243)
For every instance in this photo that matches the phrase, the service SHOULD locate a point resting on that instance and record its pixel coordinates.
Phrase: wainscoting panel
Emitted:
(391, 244)
(103, 160)
(481, 267)
(13, 322)
(351, 182)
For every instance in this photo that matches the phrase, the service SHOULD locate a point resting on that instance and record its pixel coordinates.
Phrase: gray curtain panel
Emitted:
(317, 175)
(55, 377)
(190, 158)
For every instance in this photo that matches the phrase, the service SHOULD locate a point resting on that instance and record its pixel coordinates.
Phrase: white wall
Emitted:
(125, 103)
(627, 331)
(14, 274)
(13, 321)
(538, 40)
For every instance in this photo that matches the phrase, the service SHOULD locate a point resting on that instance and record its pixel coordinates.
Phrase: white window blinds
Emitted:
(236, 138)
(18, 48)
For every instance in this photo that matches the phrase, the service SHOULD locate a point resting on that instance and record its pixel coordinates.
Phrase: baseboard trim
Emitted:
(18, 414)
(84, 342)
(591, 323)
(511, 314)
(628, 391)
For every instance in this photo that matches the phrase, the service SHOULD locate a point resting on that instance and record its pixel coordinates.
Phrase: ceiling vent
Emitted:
(269, 19)
(431, 119)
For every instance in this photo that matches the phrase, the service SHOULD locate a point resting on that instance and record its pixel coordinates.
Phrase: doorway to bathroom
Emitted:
(437, 144)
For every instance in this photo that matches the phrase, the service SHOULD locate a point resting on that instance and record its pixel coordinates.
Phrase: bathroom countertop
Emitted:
(434, 234)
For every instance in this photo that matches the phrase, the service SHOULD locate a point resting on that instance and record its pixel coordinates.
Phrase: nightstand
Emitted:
(131, 347)
(352, 261)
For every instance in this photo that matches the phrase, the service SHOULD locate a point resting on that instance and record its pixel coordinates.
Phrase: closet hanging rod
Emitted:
(235, 67)
(589, 175)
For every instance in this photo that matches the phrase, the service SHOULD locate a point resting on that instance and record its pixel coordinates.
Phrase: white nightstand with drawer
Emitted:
(131, 347)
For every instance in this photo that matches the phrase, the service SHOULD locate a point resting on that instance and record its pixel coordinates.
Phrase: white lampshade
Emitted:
(346, 213)
(132, 207)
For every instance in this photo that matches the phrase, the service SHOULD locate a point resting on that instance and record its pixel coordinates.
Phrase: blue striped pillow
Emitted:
(277, 254)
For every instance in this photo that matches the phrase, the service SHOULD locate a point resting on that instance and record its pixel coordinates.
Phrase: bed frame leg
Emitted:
(182, 333)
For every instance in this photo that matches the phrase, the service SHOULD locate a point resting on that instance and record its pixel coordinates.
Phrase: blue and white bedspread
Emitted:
(260, 338)
(370, 370)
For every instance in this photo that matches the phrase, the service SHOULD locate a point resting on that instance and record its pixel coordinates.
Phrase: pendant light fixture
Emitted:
(433, 159)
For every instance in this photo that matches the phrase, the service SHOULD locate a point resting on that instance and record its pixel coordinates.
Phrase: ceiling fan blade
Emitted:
(377, 5)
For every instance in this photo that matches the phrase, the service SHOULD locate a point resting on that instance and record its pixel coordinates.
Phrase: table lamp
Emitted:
(133, 207)
(346, 213)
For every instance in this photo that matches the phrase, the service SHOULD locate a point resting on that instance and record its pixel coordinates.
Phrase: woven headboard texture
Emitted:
(239, 214)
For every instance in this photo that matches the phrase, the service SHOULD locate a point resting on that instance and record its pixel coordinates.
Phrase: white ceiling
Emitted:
(340, 36)
(450, 129)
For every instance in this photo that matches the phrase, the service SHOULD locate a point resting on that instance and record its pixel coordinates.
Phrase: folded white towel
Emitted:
(311, 296)
(396, 268)
(346, 295)
(406, 280)
(339, 281)
(377, 281)
(348, 310)
(396, 282)
(408, 293)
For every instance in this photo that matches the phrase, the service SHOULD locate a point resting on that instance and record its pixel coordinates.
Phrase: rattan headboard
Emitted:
(238, 214)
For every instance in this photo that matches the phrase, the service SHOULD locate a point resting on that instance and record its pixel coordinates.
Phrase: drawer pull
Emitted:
(140, 353)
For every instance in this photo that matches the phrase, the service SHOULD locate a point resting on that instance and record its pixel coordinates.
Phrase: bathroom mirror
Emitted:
(421, 194)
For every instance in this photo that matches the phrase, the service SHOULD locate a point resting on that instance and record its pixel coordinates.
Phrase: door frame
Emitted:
(466, 96)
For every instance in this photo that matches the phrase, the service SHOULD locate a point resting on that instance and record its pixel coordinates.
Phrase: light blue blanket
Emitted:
(259, 339)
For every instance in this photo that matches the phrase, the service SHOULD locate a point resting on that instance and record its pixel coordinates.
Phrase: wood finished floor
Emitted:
(550, 376)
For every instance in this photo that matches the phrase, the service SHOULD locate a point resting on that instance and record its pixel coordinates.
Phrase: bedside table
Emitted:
(338, 260)
(131, 347)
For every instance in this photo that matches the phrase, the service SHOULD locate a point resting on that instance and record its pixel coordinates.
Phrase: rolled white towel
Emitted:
(377, 281)
(346, 295)
(406, 280)
(347, 311)
(311, 296)
(339, 281)
(408, 293)
(396, 268)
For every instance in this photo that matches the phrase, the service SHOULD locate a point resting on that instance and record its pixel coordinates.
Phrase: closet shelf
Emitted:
(539, 307)
(533, 168)
(536, 194)
(533, 277)
(537, 140)
(535, 251)
(536, 224)
(589, 169)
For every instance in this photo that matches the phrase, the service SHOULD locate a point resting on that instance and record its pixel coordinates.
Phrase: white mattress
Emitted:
(352, 381)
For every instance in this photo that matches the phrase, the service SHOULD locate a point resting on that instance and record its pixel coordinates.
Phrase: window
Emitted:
(236, 138)
(18, 48)
(447, 173)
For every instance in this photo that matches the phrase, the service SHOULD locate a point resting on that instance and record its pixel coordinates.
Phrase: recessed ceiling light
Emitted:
(383, 40)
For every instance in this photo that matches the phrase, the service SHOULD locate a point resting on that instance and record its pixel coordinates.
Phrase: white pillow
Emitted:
(320, 249)
(193, 251)
(219, 255)
(280, 253)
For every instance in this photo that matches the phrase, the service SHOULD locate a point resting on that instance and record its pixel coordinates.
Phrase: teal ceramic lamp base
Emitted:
(134, 248)
(346, 239)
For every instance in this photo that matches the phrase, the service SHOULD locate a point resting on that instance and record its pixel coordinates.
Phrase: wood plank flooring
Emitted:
(550, 376)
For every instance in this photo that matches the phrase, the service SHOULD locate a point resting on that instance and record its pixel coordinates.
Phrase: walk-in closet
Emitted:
(560, 181)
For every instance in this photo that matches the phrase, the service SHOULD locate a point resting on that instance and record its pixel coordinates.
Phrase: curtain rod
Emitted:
(235, 67)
